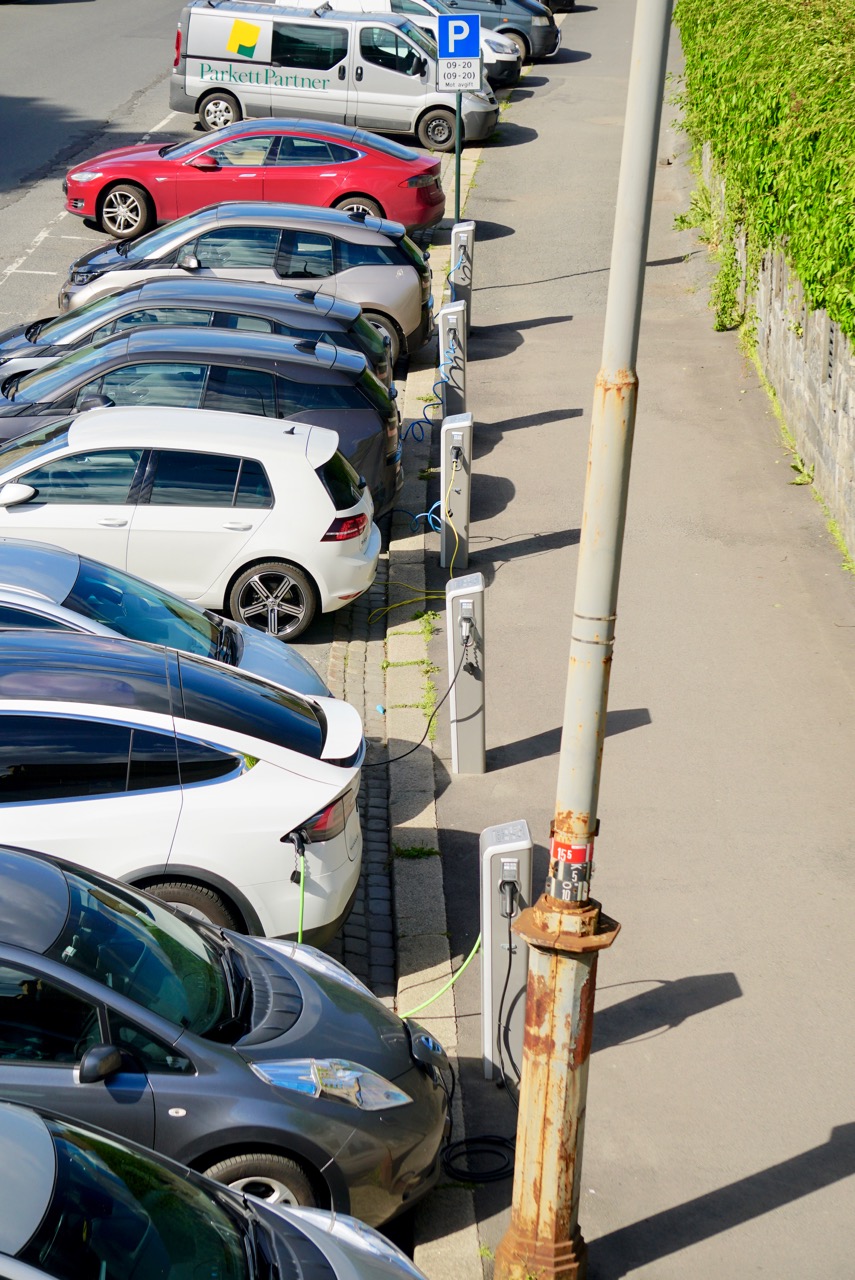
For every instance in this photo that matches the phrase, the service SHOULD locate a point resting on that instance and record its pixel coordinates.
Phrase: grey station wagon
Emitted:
(187, 368)
(209, 303)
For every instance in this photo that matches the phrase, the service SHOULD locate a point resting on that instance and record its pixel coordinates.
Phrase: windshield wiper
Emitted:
(32, 331)
(122, 248)
(225, 644)
(261, 1243)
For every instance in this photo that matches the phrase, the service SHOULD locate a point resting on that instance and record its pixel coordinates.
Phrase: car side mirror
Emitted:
(362, 484)
(188, 261)
(206, 163)
(99, 1062)
(393, 392)
(14, 492)
(95, 401)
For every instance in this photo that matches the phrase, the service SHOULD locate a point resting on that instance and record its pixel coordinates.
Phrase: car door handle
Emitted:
(112, 523)
(358, 73)
(247, 175)
(235, 524)
(342, 72)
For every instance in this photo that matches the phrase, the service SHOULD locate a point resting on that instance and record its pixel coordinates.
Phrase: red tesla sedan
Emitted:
(128, 190)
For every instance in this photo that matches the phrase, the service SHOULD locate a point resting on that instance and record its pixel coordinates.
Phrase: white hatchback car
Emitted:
(214, 790)
(263, 520)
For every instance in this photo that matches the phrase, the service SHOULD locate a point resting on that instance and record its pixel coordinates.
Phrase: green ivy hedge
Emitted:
(770, 84)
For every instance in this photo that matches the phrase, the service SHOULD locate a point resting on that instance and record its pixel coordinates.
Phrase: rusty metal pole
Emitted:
(566, 928)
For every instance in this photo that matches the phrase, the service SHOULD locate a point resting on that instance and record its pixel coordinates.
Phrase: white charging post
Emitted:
(451, 323)
(505, 892)
(464, 616)
(462, 266)
(455, 483)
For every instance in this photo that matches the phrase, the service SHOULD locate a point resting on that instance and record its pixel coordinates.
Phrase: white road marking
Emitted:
(158, 128)
(43, 234)
(14, 268)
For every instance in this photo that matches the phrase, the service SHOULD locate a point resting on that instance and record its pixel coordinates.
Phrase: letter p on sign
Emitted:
(459, 36)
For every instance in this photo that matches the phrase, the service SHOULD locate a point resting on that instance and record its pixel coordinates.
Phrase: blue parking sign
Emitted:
(459, 35)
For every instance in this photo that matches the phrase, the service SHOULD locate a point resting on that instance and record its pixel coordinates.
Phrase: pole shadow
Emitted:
(663, 1008)
(620, 1252)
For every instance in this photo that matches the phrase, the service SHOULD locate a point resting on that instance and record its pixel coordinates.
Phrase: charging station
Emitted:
(462, 266)
(464, 619)
(455, 487)
(505, 892)
(451, 323)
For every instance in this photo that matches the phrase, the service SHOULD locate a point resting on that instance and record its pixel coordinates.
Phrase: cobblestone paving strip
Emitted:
(396, 937)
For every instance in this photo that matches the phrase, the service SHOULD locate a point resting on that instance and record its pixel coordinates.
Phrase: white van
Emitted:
(500, 57)
(234, 59)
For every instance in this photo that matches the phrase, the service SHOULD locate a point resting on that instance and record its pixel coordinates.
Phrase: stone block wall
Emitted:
(811, 366)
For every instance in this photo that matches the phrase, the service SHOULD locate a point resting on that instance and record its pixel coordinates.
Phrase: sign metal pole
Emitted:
(458, 130)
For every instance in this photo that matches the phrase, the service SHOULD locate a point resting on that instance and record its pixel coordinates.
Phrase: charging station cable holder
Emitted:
(455, 490)
(451, 324)
(462, 266)
(505, 892)
(464, 617)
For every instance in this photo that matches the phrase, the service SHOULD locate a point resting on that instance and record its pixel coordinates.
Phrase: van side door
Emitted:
(389, 80)
(309, 70)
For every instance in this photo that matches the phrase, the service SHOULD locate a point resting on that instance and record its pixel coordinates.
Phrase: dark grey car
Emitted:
(210, 303)
(189, 368)
(262, 1063)
(82, 1204)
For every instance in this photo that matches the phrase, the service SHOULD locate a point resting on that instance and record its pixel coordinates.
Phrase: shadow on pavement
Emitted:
(508, 134)
(491, 341)
(642, 1243)
(548, 742)
(488, 434)
(664, 1007)
(489, 1108)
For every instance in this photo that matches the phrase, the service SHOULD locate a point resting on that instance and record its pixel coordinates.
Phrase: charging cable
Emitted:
(298, 839)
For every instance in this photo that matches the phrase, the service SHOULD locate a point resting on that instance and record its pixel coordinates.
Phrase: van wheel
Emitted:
(275, 597)
(359, 204)
(436, 130)
(519, 41)
(126, 211)
(199, 902)
(273, 1179)
(388, 329)
(218, 110)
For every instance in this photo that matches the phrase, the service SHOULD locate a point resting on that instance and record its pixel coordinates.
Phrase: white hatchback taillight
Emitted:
(345, 527)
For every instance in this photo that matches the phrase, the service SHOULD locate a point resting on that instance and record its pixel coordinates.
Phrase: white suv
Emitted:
(263, 520)
(217, 791)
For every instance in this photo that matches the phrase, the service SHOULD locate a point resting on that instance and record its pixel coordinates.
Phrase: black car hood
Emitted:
(335, 1020)
(13, 341)
(105, 257)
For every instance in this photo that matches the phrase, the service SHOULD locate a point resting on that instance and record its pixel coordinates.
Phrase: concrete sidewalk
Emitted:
(719, 1136)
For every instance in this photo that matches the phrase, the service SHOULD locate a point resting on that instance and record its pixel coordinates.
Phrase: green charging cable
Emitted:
(451, 981)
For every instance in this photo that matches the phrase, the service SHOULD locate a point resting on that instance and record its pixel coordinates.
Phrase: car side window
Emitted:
(41, 1022)
(385, 49)
(159, 382)
(317, 49)
(184, 479)
(365, 255)
(146, 1052)
(153, 762)
(409, 6)
(229, 320)
(297, 396)
(241, 152)
(253, 486)
(163, 315)
(61, 758)
(305, 254)
(103, 476)
(240, 390)
(238, 247)
(200, 762)
(297, 151)
(13, 617)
